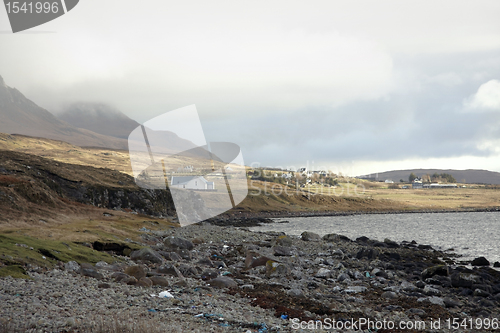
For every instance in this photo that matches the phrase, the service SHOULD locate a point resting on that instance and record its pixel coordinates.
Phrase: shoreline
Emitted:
(225, 279)
(286, 214)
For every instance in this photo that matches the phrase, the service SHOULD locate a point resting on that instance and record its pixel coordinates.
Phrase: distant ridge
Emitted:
(19, 115)
(99, 118)
(104, 119)
(470, 176)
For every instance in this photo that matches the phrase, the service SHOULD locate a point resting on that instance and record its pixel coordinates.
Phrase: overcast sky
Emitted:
(353, 86)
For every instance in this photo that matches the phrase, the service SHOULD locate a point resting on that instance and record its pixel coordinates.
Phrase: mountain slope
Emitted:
(99, 118)
(19, 115)
(462, 176)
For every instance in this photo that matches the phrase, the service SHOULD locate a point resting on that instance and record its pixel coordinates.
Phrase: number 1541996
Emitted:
(30, 7)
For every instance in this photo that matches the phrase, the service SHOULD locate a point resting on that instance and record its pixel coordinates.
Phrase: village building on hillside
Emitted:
(417, 183)
(191, 183)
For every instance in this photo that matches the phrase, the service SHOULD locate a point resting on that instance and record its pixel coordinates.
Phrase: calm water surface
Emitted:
(470, 234)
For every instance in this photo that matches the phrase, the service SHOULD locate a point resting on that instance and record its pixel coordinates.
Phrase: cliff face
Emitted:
(32, 184)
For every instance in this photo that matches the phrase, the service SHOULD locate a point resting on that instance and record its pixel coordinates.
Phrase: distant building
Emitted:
(417, 183)
(191, 183)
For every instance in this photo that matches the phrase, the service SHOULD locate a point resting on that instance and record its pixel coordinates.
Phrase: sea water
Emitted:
(471, 234)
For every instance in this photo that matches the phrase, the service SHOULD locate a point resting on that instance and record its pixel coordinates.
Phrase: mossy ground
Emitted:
(19, 249)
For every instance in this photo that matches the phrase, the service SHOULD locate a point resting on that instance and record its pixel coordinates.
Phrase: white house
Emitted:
(192, 183)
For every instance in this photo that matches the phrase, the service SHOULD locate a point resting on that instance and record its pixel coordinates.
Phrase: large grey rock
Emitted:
(433, 300)
(323, 273)
(310, 236)
(355, 289)
(428, 290)
(480, 261)
(407, 286)
(435, 270)
(174, 242)
(222, 282)
(72, 266)
(145, 282)
(343, 277)
(147, 255)
(389, 295)
(284, 241)
(282, 251)
(171, 256)
(464, 280)
(369, 253)
(276, 269)
(119, 276)
(159, 281)
(92, 273)
(136, 271)
(170, 270)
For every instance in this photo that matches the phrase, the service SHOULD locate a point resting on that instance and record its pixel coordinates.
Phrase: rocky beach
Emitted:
(210, 278)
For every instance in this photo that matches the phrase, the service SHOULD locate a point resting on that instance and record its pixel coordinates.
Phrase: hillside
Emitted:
(99, 118)
(19, 115)
(462, 176)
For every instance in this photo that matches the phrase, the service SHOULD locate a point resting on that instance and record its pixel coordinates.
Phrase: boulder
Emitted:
(91, 272)
(174, 242)
(389, 295)
(282, 251)
(159, 281)
(435, 270)
(119, 276)
(136, 271)
(184, 254)
(205, 262)
(147, 255)
(222, 282)
(433, 300)
(407, 286)
(171, 256)
(276, 269)
(343, 277)
(338, 254)
(284, 241)
(72, 266)
(170, 270)
(335, 238)
(480, 261)
(103, 285)
(310, 236)
(368, 253)
(379, 272)
(295, 292)
(428, 290)
(481, 293)
(131, 281)
(451, 303)
(209, 274)
(464, 280)
(187, 270)
(323, 273)
(390, 243)
(496, 264)
(145, 282)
